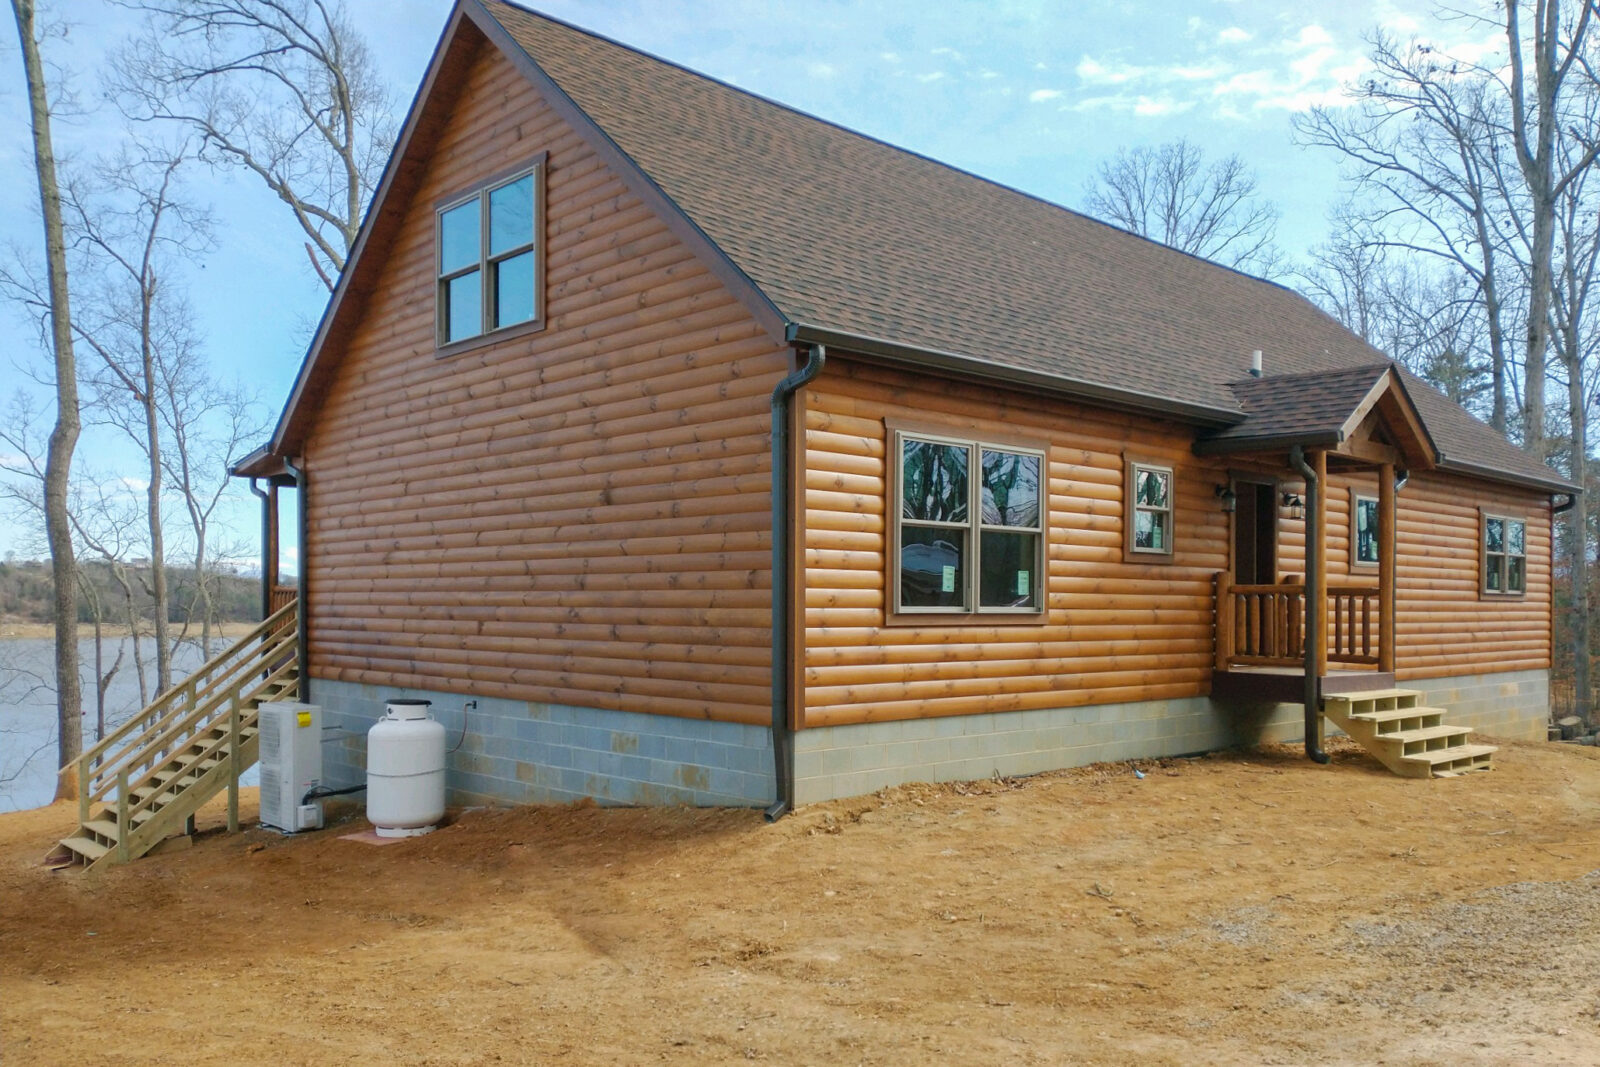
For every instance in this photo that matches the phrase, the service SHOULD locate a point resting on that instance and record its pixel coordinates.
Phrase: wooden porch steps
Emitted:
(1407, 736)
(143, 784)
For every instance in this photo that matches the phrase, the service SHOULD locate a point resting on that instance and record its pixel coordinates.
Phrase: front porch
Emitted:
(1260, 640)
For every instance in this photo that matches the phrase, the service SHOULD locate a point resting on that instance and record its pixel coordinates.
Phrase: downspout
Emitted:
(266, 541)
(1558, 509)
(782, 735)
(304, 685)
(1313, 629)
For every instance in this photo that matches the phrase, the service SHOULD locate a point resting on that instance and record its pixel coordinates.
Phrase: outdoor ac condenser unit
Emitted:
(291, 765)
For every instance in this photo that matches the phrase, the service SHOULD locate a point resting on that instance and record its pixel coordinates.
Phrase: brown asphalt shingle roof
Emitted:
(1299, 405)
(846, 233)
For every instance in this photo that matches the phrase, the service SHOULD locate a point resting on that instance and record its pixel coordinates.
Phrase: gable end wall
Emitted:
(575, 516)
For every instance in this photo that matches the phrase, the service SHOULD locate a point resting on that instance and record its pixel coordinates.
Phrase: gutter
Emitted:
(1077, 388)
(303, 686)
(1313, 630)
(782, 734)
(1572, 499)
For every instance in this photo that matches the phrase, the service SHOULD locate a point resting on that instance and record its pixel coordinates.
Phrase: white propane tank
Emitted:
(405, 770)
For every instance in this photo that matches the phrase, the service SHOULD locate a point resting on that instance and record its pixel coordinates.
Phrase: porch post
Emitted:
(1386, 568)
(1317, 549)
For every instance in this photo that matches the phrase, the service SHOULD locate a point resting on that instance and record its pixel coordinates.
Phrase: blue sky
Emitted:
(1027, 92)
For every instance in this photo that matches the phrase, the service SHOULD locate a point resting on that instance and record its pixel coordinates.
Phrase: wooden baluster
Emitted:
(124, 824)
(1366, 626)
(83, 789)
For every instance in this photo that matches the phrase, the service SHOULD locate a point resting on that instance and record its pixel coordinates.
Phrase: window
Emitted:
(488, 257)
(969, 529)
(1505, 556)
(1363, 530)
(1148, 515)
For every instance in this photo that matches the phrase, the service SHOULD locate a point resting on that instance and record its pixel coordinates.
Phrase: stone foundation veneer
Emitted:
(528, 753)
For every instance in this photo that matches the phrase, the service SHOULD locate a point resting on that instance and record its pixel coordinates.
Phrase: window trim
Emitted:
(480, 190)
(1132, 463)
(1484, 592)
(975, 441)
(1360, 565)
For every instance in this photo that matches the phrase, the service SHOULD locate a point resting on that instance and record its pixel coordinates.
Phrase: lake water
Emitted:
(28, 709)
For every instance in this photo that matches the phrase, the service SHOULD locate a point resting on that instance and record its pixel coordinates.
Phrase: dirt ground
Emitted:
(1243, 908)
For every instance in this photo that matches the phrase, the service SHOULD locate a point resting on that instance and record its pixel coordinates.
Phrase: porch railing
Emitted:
(1264, 625)
(282, 596)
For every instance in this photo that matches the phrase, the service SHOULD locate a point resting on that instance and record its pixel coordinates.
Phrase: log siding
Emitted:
(1114, 631)
(578, 515)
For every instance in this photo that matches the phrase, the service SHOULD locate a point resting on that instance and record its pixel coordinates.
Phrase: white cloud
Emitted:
(1041, 95)
(820, 70)
(889, 57)
(935, 76)
(943, 51)
(1234, 35)
(1312, 36)
(138, 485)
(987, 74)
(1155, 107)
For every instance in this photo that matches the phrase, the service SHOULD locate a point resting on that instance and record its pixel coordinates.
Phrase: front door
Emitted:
(1255, 533)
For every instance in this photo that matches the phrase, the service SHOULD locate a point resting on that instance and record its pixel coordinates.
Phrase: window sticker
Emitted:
(949, 579)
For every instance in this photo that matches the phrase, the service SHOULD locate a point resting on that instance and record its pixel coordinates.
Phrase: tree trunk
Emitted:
(158, 550)
(1578, 528)
(64, 437)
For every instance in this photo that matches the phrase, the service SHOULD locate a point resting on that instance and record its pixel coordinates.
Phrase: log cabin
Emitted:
(681, 447)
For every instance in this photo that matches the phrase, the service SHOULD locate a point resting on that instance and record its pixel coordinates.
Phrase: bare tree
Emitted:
(208, 425)
(285, 89)
(64, 437)
(1172, 195)
(1420, 140)
(130, 225)
(1538, 115)
(1575, 320)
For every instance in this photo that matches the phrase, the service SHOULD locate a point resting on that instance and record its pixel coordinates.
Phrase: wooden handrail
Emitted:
(267, 625)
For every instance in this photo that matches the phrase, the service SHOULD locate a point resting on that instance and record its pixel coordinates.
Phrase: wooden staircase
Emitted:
(1406, 736)
(143, 783)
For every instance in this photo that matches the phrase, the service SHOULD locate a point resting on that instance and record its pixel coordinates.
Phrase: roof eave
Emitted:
(1223, 446)
(1056, 384)
(1553, 484)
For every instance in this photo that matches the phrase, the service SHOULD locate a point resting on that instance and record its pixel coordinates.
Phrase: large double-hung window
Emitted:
(968, 526)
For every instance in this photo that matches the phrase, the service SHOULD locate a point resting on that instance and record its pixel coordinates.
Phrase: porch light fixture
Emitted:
(1229, 498)
(1296, 506)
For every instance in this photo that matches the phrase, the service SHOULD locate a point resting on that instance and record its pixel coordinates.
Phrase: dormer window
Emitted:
(489, 269)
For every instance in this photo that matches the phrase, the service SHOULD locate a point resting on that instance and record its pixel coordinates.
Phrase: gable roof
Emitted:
(834, 237)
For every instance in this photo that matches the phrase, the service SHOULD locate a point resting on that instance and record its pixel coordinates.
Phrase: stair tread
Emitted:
(1426, 733)
(102, 827)
(1391, 714)
(92, 850)
(1454, 752)
(1371, 694)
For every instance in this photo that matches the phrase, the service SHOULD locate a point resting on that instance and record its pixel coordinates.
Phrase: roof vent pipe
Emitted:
(1255, 363)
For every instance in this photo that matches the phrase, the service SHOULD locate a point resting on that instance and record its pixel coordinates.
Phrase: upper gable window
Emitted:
(488, 264)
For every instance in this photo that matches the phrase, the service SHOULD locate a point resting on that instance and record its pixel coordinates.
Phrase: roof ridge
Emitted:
(901, 149)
